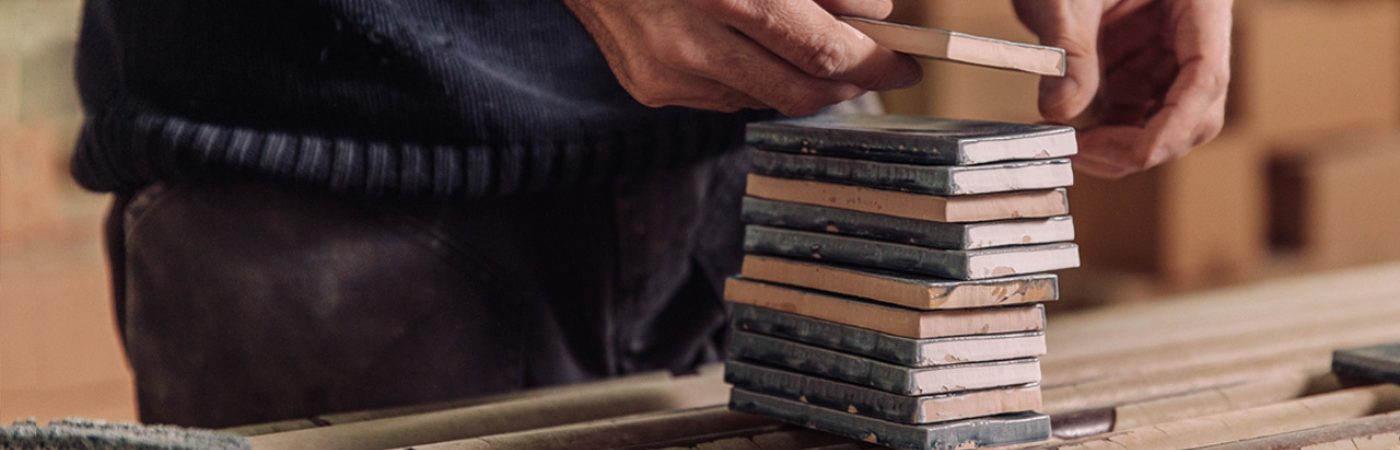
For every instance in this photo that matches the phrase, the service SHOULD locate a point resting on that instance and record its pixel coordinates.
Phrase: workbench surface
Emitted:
(1244, 367)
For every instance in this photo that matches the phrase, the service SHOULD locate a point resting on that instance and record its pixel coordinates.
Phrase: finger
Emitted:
(1211, 126)
(1105, 151)
(1196, 98)
(1088, 165)
(746, 67)
(870, 9)
(1074, 26)
(808, 37)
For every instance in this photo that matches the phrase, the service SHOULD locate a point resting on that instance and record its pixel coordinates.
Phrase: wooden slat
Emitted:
(1249, 423)
(1370, 328)
(507, 416)
(1176, 381)
(1244, 394)
(1366, 433)
(360, 416)
(1226, 312)
(1249, 394)
(629, 431)
(787, 438)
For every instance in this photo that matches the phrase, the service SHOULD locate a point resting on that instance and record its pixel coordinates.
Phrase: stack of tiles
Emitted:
(894, 273)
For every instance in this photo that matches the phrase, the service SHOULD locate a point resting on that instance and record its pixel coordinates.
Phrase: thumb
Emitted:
(1074, 26)
(870, 9)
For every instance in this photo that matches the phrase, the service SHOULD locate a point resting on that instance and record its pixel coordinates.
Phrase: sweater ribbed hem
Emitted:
(123, 150)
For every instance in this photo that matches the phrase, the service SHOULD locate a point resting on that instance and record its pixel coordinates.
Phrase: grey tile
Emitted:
(879, 404)
(956, 264)
(915, 291)
(943, 235)
(923, 179)
(888, 347)
(1377, 363)
(912, 139)
(958, 434)
(881, 375)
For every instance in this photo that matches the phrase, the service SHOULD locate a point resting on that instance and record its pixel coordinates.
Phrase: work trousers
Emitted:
(245, 301)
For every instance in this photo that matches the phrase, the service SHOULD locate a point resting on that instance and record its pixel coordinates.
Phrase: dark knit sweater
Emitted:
(380, 97)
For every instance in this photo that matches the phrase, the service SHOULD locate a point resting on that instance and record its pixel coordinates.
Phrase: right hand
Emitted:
(724, 55)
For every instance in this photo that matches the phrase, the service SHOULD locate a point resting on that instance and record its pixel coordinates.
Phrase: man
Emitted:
(341, 204)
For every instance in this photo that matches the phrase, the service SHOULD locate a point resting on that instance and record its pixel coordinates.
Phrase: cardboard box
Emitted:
(1304, 67)
(1333, 199)
(1194, 222)
(1213, 228)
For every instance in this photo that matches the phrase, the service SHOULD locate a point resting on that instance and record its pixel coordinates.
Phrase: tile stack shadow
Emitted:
(893, 278)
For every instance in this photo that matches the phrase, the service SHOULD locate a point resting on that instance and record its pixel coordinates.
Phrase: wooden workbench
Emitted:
(1244, 367)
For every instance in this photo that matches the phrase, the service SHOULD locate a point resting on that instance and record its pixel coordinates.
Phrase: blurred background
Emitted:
(1306, 177)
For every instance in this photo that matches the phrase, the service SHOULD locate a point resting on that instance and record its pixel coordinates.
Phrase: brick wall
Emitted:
(59, 352)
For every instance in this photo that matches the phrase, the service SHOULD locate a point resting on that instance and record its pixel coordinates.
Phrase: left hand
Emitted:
(1157, 71)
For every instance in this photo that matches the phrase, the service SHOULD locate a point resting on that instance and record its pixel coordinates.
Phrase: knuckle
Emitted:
(677, 53)
(1115, 174)
(1216, 81)
(642, 90)
(649, 100)
(823, 58)
(1209, 130)
(1073, 46)
(648, 96)
(1141, 161)
(1213, 128)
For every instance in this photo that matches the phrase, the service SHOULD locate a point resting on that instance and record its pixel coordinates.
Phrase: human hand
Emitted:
(790, 55)
(1156, 71)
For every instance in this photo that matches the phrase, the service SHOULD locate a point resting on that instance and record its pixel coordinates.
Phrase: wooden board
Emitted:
(961, 434)
(922, 233)
(886, 347)
(883, 318)
(878, 404)
(884, 376)
(967, 208)
(957, 264)
(907, 290)
(913, 139)
(962, 47)
(923, 179)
